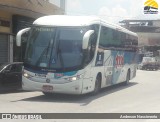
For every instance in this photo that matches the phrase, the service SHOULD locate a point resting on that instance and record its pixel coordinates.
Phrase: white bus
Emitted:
(77, 55)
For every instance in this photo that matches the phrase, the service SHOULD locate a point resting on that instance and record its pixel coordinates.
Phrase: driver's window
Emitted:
(13, 68)
(93, 40)
(92, 46)
(89, 54)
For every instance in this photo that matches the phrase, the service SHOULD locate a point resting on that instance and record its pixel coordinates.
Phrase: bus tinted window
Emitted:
(116, 40)
(106, 37)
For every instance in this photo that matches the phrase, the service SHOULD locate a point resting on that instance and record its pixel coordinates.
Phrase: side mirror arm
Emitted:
(86, 38)
(19, 36)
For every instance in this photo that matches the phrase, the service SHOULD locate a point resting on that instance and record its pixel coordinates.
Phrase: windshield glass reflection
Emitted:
(55, 48)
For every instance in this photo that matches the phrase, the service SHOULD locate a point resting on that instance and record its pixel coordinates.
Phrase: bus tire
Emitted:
(127, 78)
(97, 84)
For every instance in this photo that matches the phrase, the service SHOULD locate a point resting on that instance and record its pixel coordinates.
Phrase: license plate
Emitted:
(47, 88)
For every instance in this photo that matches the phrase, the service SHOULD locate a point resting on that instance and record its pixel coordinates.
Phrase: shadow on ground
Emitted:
(80, 99)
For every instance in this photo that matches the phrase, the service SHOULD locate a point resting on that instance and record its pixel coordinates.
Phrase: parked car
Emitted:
(150, 63)
(11, 75)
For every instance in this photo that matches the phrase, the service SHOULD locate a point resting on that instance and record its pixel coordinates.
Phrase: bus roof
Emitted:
(65, 20)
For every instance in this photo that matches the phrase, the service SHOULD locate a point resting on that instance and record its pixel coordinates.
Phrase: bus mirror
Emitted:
(86, 38)
(19, 36)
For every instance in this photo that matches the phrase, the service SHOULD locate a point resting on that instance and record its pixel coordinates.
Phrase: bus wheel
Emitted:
(127, 78)
(97, 84)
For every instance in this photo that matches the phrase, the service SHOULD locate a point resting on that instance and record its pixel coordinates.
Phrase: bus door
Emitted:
(108, 68)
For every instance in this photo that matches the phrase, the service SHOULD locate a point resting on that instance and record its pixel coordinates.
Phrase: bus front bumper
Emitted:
(74, 87)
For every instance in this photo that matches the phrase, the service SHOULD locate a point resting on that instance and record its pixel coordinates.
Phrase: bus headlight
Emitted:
(27, 75)
(74, 78)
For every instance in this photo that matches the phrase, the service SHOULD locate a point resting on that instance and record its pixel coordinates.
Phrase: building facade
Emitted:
(16, 15)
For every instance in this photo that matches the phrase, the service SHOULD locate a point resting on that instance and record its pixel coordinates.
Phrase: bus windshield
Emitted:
(58, 48)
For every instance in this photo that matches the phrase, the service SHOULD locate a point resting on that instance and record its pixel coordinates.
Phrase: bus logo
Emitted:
(119, 61)
(150, 7)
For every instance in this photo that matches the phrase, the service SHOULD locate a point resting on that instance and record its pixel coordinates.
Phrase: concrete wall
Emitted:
(142, 39)
(7, 17)
(28, 8)
(156, 23)
(146, 39)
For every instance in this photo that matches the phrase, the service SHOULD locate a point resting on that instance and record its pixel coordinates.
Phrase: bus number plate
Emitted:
(47, 88)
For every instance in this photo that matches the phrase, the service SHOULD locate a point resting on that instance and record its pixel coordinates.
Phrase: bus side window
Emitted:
(106, 37)
(102, 37)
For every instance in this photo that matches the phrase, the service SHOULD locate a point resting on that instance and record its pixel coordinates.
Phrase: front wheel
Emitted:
(97, 85)
(127, 78)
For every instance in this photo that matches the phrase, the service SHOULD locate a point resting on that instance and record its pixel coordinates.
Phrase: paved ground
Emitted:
(142, 95)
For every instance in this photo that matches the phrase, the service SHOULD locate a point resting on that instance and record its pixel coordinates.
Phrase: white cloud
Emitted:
(119, 11)
(112, 11)
(75, 7)
(105, 13)
(73, 4)
(136, 8)
(114, 14)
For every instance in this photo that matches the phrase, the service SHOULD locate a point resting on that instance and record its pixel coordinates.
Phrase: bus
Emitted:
(77, 55)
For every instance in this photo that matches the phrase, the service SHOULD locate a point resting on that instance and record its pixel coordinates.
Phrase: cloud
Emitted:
(114, 14)
(136, 8)
(112, 11)
(75, 7)
(73, 4)
(105, 13)
(118, 13)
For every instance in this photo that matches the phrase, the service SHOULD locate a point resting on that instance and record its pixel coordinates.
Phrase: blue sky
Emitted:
(110, 10)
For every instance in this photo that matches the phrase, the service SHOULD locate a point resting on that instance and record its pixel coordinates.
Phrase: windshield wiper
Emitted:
(42, 54)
